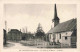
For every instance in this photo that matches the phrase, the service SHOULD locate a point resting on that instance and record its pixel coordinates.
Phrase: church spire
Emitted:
(55, 19)
(55, 12)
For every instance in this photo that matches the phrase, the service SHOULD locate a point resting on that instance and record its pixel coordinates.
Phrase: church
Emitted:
(64, 33)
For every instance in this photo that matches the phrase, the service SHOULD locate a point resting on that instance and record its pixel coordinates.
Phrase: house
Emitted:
(64, 33)
(14, 35)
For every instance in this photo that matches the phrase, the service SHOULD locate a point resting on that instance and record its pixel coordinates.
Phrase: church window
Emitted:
(60, 36)
(65, 38)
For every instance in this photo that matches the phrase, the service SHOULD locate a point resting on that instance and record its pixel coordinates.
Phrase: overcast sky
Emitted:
(20, 16)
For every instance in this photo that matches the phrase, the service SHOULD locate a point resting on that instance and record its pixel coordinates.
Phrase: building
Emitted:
(14, 35)
(64, 33)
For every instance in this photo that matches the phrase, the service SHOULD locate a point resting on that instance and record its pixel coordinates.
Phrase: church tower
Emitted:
(56, 19)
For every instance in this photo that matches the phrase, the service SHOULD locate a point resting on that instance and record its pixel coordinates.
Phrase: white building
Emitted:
(64, 33)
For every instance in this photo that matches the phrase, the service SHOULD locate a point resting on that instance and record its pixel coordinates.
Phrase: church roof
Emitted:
(65, 26)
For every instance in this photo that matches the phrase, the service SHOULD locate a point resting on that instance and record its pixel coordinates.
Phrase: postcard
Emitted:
(40, 25)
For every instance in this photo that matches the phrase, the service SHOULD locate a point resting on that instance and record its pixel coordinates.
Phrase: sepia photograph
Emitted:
(40, 26)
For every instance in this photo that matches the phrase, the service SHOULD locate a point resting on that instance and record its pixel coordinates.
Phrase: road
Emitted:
(15, 47)
(27, 45)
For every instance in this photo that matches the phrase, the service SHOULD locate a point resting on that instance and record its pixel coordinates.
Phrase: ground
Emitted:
(33, 43)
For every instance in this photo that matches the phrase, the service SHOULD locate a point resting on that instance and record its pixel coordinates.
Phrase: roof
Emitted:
(65, 26)
(14, 30)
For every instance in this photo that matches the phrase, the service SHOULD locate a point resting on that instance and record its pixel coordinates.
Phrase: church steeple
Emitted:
(56, 19)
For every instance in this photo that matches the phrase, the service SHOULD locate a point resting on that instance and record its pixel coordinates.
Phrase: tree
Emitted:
(39, 33)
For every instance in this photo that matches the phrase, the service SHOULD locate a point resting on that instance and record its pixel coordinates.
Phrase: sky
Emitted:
(19, 16)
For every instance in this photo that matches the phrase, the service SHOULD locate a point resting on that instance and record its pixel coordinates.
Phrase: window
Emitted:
(65, 38)
(60, 36)
(50, 36)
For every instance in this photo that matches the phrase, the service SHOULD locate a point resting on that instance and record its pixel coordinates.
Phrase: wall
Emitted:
(14, 36)
(63, 41)
(51, 37)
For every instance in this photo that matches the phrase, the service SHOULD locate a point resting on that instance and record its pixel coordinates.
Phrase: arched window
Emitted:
(60, 36)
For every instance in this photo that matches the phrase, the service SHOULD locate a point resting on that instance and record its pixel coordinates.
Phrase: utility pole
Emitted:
(5, 33)
(6, 26)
